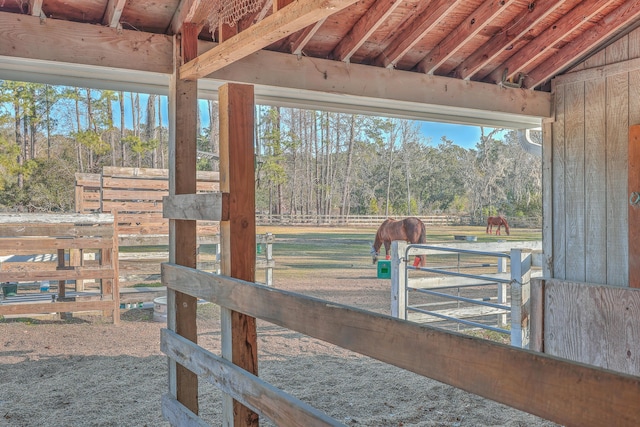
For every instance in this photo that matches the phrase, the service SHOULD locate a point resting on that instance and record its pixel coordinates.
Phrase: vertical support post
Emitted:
(116, 271)
(76, 259)
(502, 291)
(183, 113)
(238, 234)
(106, 285)
(520, 293)
(79, 203)
(633, 186)
(62, 290)
(398, 280)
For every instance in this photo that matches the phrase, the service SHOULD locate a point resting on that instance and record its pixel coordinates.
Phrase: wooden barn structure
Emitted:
(571, 66)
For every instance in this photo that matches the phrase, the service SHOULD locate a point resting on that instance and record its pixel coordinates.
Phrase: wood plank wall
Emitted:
(594, 106)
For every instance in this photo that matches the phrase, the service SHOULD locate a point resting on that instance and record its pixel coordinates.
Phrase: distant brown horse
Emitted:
(499, 221)
(409, 229)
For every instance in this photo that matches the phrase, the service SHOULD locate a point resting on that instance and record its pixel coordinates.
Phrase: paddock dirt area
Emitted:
(86, 372)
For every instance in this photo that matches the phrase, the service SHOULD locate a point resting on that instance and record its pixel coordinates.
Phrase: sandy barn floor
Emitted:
(86, 372)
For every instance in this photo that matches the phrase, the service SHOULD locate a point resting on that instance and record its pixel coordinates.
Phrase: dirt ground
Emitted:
(87, 372)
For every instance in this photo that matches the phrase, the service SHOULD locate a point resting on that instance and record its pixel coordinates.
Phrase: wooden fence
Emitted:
(60, 237)
(580, 395)
(136, 195)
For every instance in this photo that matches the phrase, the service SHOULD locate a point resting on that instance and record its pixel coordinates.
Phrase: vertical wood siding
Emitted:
(589, 143)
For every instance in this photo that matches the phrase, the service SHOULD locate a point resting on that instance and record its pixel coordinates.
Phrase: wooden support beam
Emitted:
(113, 13)
(423, 24)
(456, 39)
(512, 32)
(181, 308)
(540, 45)
(366, 89)
(238, 247)
(621, 17)
(64, 41)
(286, 21)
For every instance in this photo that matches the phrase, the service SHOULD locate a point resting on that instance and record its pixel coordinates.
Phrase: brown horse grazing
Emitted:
(410, 229)
(499, 221)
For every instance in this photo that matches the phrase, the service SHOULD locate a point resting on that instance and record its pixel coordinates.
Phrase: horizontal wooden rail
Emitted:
(201, 207)
(564, 392)
(243, 386)
(51, 230)
(32, 245)
(55, 307)
(57, 220)
(73, 273)
(179, 415)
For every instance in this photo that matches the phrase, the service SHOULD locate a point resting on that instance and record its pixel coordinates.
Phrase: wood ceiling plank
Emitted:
(513, 31)
(422, 25)
(541, 44)
(621, 17)
(286, 21)
(466, 31)
(280, 4)
(307, 34)
(364, 28)
(193, 11)
(113, 13)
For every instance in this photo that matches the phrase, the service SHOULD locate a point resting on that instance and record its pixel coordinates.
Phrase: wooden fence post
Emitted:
(398, 279)
(520, 293)
(238, 235)
(502, 291)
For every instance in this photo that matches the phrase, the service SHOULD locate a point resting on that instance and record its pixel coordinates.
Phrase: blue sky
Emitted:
(462, 135)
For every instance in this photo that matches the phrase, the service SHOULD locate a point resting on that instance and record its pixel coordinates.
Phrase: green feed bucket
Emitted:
(9, 289)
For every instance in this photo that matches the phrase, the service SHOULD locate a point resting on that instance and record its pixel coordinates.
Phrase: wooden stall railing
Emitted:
(580, 394)
(59, 235)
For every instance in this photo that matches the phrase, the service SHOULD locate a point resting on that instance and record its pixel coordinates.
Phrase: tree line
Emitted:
(307, 162)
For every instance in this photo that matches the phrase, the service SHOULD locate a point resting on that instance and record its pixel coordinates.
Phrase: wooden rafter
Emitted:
(456, 39)
(364, 28)
(286, 21)
(193, 11)
(512, 32)
(113, 13)
(301, 41)
(423, 24)
(540, 45)
(619, 18)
